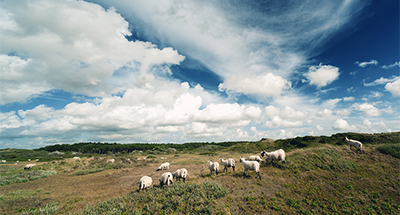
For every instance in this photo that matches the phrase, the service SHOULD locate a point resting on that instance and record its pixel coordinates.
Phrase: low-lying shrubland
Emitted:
(321, 175)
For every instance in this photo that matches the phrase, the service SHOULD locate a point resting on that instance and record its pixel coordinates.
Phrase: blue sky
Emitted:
(182, 71)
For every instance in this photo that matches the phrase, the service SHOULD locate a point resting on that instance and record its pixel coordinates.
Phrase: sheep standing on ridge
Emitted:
(228, 163)
(166, 179)
(275, 155)
(145, 182)
(255, 158)
(250, 165)
(180, 173)
(354, 143)
(213, 166)
(163, 166)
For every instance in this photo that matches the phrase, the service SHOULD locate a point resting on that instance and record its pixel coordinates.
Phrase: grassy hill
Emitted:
(322, 175)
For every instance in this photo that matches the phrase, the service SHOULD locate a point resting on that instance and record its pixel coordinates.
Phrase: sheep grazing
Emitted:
(166, 179)
(213, 166)
(275, 155)
(3, 161)
(145, 182)
(180, 173)
(112, 160)
(77, 158)
(250, 165)
(127, 160)
(163, 166)
(228, 163)
(28, 166)
(255, 158)
(357, 144)
(16, 162)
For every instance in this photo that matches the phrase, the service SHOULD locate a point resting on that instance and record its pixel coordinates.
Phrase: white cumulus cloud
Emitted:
(343, 125)
(322, 75)
(266, 85)
(394, 87)
(368, 109)
(75, 46)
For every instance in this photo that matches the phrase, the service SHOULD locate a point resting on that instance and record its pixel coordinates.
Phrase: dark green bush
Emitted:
(390, 149)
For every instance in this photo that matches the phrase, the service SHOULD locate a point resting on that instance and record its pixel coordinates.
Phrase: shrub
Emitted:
(390, 149)
(26, 176)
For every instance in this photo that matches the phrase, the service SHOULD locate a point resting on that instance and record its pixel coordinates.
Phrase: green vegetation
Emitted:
(87, 171)
(390, 149)
(178, 198)
(10, 175)
(321, 175)
(47, 210)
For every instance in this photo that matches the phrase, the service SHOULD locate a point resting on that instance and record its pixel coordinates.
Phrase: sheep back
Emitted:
(145, 182)
(275, 155)
(166, 178)
(180, 173)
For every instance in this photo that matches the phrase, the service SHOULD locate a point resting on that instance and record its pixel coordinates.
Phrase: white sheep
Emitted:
(16, 162)
(357, 144)
(77, 158)
(3, 161)
(213, 166)
(228, 163)
(166, 179)
(112, 160)
(28, 166)
(255, 158)
(180, 173)
(145, 182)
(250, 165)
(163, 166)
(128, 160)
(37, 160)
(275, 155)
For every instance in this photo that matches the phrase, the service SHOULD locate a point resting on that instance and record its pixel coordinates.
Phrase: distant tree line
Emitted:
(287, 144)
(103, 148)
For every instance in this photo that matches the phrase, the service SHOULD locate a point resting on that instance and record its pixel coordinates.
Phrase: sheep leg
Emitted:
(233, 168)
(258, 175)
(184, 179)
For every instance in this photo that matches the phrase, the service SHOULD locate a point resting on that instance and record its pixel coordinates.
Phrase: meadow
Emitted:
(322, 175)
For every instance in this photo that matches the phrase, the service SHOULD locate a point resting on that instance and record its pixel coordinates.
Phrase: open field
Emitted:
(318, 179)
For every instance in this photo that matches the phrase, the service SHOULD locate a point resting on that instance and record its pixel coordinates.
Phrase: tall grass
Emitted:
(47, 210)
(326, 158)
(178, 198)
(26, 176)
